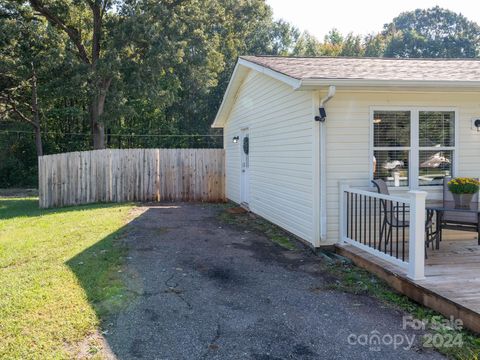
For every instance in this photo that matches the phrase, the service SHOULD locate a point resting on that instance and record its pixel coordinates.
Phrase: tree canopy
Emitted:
(432, 33)
(151, 73)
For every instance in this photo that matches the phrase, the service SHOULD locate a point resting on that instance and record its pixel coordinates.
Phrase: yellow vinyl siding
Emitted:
(348, 138)
(282, 130)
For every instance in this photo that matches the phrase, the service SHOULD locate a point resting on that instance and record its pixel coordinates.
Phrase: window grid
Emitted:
(441, 131)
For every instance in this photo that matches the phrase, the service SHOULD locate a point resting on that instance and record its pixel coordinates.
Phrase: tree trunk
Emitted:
(98, 133)
(36, 116)
(38, 141)
(96, 111)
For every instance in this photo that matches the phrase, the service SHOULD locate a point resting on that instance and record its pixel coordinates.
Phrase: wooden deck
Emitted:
(452, 283)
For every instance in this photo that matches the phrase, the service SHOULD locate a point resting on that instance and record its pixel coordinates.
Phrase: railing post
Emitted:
(416, 248)
(343, 187)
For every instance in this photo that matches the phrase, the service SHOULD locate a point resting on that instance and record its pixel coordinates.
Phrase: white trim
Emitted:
(416, 242)
(322, 132)
(414, 157)
(242, 68)
(343, 188)
(415, 148)
(229, 97)
(295, 83)
(377, 253)
(377, 195)
(243, 197)
(415, 266)
(319, 213)
(306, 84)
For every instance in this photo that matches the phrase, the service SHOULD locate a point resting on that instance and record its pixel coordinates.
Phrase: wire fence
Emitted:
(55, 142)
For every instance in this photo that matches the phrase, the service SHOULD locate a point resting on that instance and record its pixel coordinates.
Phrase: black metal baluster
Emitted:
(351, 215)
(385, 231)
(348, 214)
(390, 232)
(360, 219)
(403, 232)
(397, 229)
(356, 204)
(370, 221)
(374, 223)
(365, 220)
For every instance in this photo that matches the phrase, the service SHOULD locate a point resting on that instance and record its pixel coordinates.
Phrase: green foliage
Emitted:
(432, 33)
(18, 162)
(463, 185)
(354, 280)
(169, 63)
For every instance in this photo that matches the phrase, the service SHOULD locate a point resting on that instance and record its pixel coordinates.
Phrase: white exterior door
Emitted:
(245, 164)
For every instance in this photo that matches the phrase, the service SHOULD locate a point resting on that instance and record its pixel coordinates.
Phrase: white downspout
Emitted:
(323, 166)
(331, 93)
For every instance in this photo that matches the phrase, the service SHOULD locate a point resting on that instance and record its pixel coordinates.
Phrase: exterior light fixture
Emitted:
(476, 124)
(235, 139)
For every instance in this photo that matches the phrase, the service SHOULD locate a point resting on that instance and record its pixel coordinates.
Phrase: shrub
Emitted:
(463, 185)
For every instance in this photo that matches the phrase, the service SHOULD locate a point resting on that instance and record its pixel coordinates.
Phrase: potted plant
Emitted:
(463, 189)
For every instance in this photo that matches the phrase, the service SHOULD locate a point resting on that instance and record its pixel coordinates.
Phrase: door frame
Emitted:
(244, 170)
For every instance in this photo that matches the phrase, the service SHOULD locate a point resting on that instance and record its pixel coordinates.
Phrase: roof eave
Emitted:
(310, 84)
(242, 67)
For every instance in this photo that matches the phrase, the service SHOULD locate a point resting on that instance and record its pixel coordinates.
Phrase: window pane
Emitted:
(434, 166)
(391, 128)
(437, 128)
(391, 166)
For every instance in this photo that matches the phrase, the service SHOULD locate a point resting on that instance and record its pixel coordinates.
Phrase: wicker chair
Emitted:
(456, 220)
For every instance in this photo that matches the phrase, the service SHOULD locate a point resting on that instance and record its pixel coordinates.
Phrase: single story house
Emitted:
(296, 128)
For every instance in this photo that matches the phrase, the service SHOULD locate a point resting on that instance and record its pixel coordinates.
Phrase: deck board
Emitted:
(452, 278)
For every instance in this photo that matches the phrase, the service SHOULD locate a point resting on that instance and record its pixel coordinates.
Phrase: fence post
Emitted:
(343, 188)
(416, 248)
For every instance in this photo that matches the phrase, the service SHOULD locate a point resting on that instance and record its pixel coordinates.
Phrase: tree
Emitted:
(307, 45)
(352, 46)
(25, 50)
(432, 33)
(374, 45)
(87, 37)
(13, 104)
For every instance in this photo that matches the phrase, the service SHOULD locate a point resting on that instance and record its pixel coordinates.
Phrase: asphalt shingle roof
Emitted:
(371, 68)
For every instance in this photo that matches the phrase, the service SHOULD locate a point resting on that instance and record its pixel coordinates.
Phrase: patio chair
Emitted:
(390, 220)
(456, 220)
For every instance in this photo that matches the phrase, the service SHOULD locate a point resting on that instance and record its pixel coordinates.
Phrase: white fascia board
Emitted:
(295, 83)
(309, 84)
(227, 101)
(241, 69)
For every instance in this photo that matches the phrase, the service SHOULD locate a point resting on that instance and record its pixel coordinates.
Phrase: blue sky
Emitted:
(358, 16)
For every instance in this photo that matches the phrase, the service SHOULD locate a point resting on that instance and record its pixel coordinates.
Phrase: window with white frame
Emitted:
(413, 147)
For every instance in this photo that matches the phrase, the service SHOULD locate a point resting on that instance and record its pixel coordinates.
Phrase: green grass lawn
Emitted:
(59, 275)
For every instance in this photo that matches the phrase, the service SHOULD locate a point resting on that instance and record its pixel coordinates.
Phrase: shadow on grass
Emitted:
(11, 207)
(98, 269)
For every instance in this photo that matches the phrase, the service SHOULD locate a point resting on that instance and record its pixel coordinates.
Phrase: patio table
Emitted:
(438, 209)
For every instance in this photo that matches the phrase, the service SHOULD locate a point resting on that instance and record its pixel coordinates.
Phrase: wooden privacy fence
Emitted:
(131, 175)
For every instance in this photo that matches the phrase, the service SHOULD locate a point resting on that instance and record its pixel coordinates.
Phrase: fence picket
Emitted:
(131, 175)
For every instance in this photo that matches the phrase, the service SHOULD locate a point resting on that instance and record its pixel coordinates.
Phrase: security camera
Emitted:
(323, 115)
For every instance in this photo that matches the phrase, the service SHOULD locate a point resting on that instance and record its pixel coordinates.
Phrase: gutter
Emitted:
(308, 84)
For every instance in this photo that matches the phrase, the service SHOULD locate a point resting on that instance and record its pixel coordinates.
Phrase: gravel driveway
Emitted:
(207, 290)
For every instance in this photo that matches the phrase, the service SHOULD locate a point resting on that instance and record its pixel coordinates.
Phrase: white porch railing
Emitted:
(390, 227)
